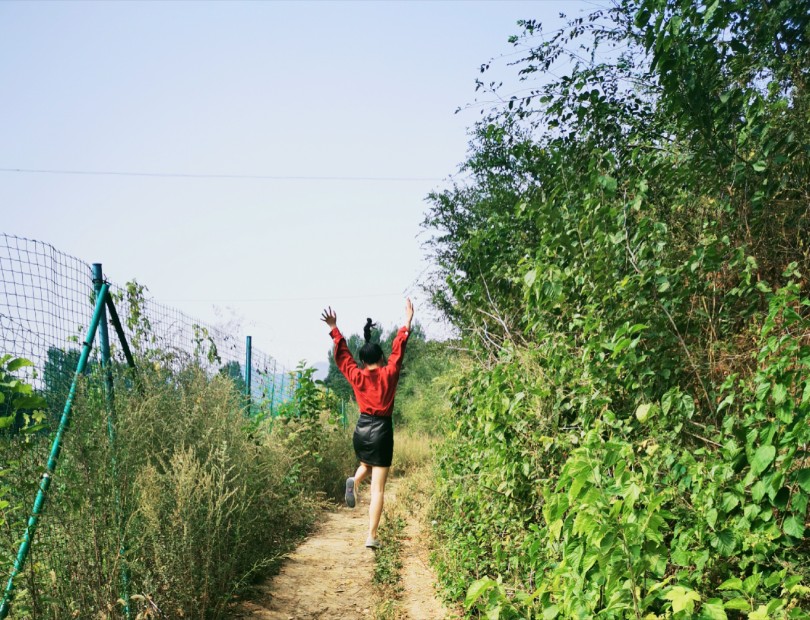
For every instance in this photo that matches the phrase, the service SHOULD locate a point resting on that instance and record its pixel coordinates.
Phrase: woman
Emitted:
(374, 387)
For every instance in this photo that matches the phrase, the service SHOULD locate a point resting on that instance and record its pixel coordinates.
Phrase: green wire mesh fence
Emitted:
(46, 304)
(46, 299)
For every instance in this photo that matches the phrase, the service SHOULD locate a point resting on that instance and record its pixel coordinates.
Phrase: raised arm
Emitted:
(343, 357)
(398, 346)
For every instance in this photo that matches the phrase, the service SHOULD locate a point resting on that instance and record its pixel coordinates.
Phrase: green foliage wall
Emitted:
(629, 259)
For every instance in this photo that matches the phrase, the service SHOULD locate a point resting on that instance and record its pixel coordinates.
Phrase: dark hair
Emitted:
(371, 352)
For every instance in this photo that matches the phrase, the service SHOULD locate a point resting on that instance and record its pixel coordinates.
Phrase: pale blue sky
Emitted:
(304, 89)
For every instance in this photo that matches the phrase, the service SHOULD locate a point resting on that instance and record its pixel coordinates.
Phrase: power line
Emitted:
(267, 177)
(281, 299)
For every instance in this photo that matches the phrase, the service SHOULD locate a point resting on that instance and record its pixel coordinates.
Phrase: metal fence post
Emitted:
(109, 397)
(248, 369)
(273, 393)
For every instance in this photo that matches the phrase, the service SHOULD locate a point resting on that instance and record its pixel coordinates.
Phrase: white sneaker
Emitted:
(349, 492)
(372, 543)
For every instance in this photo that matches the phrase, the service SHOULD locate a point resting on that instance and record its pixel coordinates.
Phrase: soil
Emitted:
(418, 598)
(329, 576)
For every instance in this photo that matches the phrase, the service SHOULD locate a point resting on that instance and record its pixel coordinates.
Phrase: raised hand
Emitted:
(408, 313)
(329, 317)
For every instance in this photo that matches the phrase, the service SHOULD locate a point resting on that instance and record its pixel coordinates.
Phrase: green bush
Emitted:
(627, 258)
(209, 502)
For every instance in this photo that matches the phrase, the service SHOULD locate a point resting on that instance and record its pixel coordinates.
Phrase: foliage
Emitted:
(234, 371)
(422, 403)
(206, 507)
(209, 501)
(21, 415)
(20, 407)
(311, 426)
(629, 261)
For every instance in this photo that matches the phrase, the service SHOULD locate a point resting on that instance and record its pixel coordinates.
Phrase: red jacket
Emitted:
(374, 388)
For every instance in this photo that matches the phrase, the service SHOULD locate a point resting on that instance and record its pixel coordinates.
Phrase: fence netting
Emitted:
(46, 302)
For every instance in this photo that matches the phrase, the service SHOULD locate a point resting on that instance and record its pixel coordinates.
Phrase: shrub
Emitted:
(209, 502)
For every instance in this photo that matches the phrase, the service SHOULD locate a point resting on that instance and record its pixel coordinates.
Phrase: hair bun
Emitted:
(367, 329)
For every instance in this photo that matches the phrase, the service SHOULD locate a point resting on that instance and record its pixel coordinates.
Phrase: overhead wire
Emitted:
(269, 177)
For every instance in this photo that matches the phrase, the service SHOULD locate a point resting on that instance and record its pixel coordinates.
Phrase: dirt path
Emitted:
(418, 599)
(329, 576)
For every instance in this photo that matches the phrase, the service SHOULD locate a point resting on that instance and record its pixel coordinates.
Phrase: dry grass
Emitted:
(412, 451)
(208, 504)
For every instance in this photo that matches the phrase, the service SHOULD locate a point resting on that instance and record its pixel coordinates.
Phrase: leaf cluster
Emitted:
(628, 259)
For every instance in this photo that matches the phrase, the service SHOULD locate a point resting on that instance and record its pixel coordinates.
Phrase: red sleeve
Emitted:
(343, 357)
(398, 350)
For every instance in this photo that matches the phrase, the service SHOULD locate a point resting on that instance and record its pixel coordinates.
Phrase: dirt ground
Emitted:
(329, 576)
(418, 599)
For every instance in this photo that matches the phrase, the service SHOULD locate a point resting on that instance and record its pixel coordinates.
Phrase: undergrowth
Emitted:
(209, 500)
(627, 259)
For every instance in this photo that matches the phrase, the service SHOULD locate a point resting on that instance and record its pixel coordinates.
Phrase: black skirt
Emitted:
(373, 440)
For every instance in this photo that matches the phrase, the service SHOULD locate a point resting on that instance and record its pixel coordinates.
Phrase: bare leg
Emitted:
(363, 472)
(378, 477)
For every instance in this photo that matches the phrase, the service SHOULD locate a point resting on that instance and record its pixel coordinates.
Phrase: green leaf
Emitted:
(643, 412)
(18, 363)
(760, 166)
(758, 490)
(608, 182)
(729, 502)
(683, 599)
(779, 393)
(761, 613)
(793, 526)
(725, 542)
(30, 402)
(666, 402)
(803, 479)
(477, 589)
(762, 458)
(735, 583)
(494, 613)
(713, 610)
(6, 421)
(750, 584)
(740, 604)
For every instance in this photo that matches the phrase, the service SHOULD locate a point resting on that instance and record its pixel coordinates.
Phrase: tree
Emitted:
(627, 257)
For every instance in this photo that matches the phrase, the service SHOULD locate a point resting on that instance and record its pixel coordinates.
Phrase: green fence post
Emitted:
(109, 396)
(248, 367)
(273, 393)
(119, 329)
(56, 447)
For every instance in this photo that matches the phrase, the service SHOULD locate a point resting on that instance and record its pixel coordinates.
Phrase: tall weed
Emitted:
(207, 501)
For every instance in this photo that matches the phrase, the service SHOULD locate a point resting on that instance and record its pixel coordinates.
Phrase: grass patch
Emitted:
(412, 451)
(388, 564)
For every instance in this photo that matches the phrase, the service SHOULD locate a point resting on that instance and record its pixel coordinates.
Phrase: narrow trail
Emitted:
(419, 600)
(329, 576)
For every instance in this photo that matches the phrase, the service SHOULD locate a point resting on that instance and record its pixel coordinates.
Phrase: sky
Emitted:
(283, 150)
